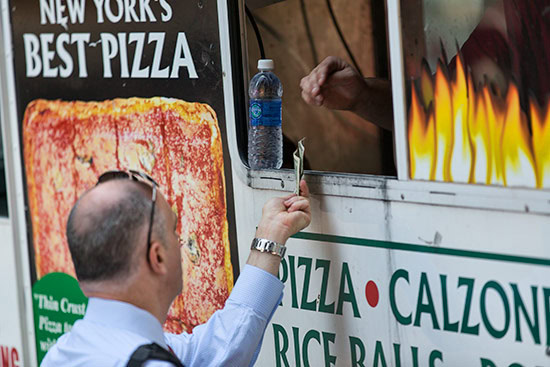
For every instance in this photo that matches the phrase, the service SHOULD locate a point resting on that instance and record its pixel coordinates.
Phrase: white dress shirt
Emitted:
(111, 330)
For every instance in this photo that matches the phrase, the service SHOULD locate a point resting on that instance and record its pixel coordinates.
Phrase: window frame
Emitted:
(394, 190)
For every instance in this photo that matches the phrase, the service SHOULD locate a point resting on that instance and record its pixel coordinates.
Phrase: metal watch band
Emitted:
(263, 245)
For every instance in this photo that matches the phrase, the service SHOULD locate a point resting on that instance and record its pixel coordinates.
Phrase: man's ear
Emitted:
(157, 257)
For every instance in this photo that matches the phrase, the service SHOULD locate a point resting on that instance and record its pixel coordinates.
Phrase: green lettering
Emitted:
(284, 268)
(353, 344)
(379, 355)
(280, 353)
(468, 329)
(345, 279)
(403, 320)
(312, 334)
(446, 324)
(283, 278)
(422, 307)
(328, 338)
(414, 352)
(519, 305)
(296, 333)
(515, 365)
(435, 354)
(497, 334)
(293, 287)
(487, 363)
(306, 305)
(546, 296)
(323, 307)
(397, 355)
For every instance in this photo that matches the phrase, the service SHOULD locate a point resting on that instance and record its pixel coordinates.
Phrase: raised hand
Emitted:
(281, 218)
(284, 216)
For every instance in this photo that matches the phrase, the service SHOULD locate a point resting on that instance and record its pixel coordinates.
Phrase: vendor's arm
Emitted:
(336, 85)
(233, 335)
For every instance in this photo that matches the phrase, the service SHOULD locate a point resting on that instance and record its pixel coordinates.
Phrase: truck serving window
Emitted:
(478, 106)
(298, 35)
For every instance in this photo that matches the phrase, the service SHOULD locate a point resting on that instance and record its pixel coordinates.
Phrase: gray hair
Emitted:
(103, 240)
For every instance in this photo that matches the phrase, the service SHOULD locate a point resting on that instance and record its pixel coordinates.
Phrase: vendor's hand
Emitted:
(284, 216)
(334, 84)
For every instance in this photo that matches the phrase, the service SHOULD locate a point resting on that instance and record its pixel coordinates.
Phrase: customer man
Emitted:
(123, 241)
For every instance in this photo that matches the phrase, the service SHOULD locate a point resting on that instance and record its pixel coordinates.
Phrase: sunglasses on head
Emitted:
(138, 177)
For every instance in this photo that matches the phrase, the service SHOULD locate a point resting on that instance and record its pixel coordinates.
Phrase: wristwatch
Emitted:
(263, 245)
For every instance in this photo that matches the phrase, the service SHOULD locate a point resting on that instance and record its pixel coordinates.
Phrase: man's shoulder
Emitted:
(90, 344)
(56, 358)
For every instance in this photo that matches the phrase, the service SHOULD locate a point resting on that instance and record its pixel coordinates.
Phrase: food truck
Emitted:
(444, 262)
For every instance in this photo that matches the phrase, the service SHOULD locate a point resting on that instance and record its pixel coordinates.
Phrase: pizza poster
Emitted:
(112, 84)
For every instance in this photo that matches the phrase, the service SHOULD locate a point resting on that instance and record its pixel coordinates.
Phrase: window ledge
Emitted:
(370, 187)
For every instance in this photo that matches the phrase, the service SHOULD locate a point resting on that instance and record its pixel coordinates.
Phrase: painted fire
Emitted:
(459, 132)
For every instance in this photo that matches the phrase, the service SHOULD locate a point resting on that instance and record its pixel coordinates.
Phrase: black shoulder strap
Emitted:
(152, 351)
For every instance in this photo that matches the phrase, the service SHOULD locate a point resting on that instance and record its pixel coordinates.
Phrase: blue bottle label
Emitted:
(265, 113)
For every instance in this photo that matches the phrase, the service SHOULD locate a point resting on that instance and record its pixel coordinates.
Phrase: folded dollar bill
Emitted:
(299, 165)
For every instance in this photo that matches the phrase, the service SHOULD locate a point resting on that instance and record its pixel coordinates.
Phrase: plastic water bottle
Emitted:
(265, 135)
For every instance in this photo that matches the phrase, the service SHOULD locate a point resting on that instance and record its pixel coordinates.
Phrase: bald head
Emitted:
(107, 226)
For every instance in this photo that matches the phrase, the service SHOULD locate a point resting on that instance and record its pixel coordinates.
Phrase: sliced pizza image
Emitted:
(67, 145)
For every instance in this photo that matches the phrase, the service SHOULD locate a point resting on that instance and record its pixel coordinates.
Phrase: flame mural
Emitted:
(460, 133)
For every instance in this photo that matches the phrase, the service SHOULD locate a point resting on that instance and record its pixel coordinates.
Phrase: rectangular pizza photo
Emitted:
(68, 144)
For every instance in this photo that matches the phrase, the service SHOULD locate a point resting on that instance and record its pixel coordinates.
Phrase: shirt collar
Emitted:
(125, 316)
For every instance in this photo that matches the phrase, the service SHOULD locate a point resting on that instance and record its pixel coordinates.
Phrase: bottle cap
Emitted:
(266, 64)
